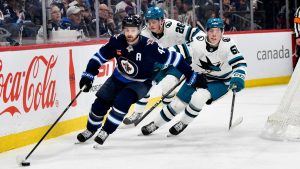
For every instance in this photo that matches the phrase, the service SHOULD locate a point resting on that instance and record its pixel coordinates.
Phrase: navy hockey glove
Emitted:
(87, 81)
(197, 81)
(237, 81)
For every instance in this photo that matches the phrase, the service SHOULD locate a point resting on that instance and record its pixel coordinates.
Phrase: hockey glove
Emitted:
(197, 81)
(87, 81)
(237, 81)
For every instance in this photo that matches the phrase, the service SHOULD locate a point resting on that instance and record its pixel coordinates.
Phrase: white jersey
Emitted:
(216, 63)
(175, 33)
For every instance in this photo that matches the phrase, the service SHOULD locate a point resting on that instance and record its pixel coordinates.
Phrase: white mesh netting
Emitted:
(284, 124)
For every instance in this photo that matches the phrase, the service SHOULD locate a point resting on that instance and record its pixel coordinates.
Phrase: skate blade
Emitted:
(125, 126)
(171, 135)
(97, 146)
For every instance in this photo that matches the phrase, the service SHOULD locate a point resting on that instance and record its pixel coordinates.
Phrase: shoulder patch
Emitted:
(116, 36)
(168, 24)
(200, 38)
(226, 39)
(150, 41)
(144, 27)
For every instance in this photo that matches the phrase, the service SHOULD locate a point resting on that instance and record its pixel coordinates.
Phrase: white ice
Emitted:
(205, 144)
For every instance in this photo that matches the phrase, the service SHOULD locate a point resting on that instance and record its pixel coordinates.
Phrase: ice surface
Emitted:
(205, 144)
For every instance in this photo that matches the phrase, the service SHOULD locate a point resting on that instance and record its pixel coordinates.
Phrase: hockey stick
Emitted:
(157, 103)
(240, 119)
(26, 163)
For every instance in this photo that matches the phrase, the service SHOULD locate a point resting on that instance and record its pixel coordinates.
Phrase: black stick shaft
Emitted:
(232, 108)
(53, 125)
(157, 103)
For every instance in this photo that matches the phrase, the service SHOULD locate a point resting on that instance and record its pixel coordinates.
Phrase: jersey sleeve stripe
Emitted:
(169, 58)
(186, 51)
(97, 59)
(236, 59)
(195, 32)
(188, 34)
(176, 48)
(239, 65)
(177, 58)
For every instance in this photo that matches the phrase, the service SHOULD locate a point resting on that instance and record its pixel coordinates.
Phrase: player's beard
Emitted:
(131, 39)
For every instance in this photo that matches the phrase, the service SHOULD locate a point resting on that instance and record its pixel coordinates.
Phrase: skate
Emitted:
(148, 129)
(85, 135)
(132, 119)
(101, 137)
(177, 128)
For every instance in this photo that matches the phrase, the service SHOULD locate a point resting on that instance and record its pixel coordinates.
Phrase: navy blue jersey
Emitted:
(135, 62)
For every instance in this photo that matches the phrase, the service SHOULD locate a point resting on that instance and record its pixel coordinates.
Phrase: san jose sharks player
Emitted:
(131, 79)
(167, 33)
(224, 67)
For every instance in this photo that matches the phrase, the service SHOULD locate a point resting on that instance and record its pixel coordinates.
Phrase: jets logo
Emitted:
(128, 67)
(209, 66)
(168, 24)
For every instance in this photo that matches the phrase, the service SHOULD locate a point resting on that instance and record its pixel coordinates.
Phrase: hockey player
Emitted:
(131, 79)
(167, 33)
(224, 67)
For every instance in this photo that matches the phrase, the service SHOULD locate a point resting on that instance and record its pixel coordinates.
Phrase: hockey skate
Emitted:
(85, 135)
(101, 137)
(132, 119)
(177, 128)
(148, 129)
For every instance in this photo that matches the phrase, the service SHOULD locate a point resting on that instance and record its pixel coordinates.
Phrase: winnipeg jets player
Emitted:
(131, 79)
(167, 33)
(224, 67)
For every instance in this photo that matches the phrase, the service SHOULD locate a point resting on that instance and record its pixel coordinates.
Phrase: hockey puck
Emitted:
(25, 163)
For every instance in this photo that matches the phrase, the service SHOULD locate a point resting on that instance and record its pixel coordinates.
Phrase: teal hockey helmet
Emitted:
(154, 13)
(214, 23)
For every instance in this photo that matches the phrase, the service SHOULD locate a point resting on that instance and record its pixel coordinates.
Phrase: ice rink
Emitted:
(205, 144)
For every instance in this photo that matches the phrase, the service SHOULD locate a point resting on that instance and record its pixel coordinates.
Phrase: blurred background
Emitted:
(25, 22)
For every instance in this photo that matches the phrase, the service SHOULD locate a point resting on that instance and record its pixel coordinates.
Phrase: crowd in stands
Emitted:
(21, 21)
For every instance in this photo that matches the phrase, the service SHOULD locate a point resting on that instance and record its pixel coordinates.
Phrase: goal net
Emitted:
(284, 123)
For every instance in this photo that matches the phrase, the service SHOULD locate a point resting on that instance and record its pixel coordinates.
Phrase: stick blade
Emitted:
(237, 122)
(22, 162)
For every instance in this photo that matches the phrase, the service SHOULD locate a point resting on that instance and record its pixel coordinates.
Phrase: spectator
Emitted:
(187, 16)
(87, 19)
(118, 17)
(73, 19)
(127, 5)
(110, 21)
(179, 6)
(103, 27)
(53, 24)
(242, 6)
(228, 26)
(227, 6)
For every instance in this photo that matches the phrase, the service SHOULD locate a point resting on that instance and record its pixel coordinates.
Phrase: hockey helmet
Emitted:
(132, 21)
(214, 23)
(154, 13)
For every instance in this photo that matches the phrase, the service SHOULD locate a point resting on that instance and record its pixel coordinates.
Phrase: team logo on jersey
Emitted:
(128, 66)
(168, 24)
(209, 66)
(200, 38)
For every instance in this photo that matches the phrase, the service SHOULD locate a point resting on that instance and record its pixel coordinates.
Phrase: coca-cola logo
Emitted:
(33, 87)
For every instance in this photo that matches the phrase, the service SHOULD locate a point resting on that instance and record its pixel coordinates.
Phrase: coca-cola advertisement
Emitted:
(37, 85)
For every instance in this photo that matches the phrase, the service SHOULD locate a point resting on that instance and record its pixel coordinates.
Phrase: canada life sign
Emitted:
(37, 85)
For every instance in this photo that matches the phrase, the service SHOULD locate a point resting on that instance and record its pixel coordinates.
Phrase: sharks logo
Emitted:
(209, 66)
(168, 24)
